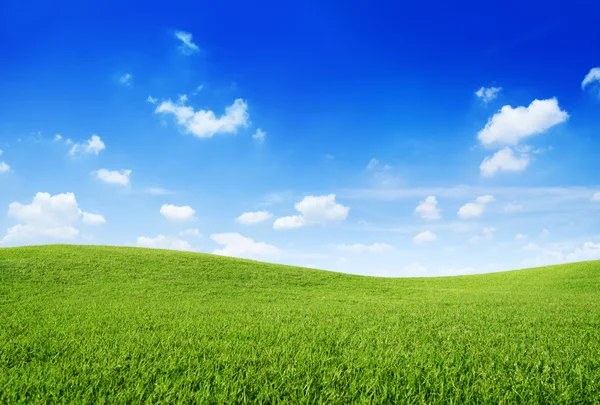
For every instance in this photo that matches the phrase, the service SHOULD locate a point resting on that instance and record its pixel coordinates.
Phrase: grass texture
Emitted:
(114, 325)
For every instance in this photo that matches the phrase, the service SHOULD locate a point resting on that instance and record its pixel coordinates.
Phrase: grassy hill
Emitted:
(82, 324)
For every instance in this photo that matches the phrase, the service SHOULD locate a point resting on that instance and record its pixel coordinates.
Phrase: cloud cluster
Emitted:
(92, 146)
(428, 209)
(204, 123)
(314, 210)
(48, 217)
(120, 177)
(475, 209)
(177, 213)
(487, 94)
(237, 245)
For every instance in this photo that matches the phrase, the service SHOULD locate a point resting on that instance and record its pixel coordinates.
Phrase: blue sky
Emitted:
(365, 137)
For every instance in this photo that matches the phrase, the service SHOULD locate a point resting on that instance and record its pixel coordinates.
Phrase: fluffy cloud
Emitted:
(589, 251)
(428, 209)
(163, 242)
(361, 248)
(592, 77)
(191, 232)
(47, 217)
(504, 160)
(475, 209)
(176, 213)
(291, 222)
(240, 246)
(314, 210)
(126, 79)
(596, 197)
(486, 234)
(187, 46)
(120, 177)
(92, 146)
(487, 94)
(93, 219)
(251, 218)
(425, 237)
(510, 125)
(204, 123)
(4, 168)
(259, 135)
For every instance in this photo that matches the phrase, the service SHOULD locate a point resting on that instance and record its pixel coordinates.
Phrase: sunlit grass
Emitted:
(125, 325)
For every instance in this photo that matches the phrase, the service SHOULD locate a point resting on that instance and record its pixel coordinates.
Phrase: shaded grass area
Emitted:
(83, 324)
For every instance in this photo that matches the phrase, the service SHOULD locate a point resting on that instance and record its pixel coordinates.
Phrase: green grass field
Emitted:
(126, 325)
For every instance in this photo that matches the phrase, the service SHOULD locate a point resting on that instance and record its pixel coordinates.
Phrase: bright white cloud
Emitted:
(93, 219)
(120, 177)
(475, 209)
(187, 46)
(163, 242)
(291, 222)
(47, 217)
(191, 232)
(486, 234)
(251, 218)
(204, 123)
(596, 197)
(92, 146)
(126, 79)
(259, 135)
(428, 209)
(487, 94)
(177, 213)
(362, 248)
(425, 237)
(593, 76)
(510, 125)
(237, 245)
(4, 168)
(504, 160)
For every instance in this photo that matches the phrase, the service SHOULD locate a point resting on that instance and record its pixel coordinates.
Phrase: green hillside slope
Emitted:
(82, 324)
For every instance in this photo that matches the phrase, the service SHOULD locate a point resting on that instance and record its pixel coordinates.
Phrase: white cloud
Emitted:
(475, 209)
(510, 125)
(314, 210)
(151, 100)
(372, 163)
(596, 197)
(191, 232)
(504, 160)
(187, 46)
(361, 248)
(486, 234)
(114, 176)
(126, 79)
(68, 141)
(93, 219)
(259, 135)
(47, 217)
(557, 253)
(163, 242)
(589, 251)
(58, 138)
(251, 218)
(512, 208)
(487, 94)
(520, 236)
(198, 90)
(4, 168)
(204, 123)
(592, 77)
(428, 209)
(92, 146)
(425, 237)
(291, 222)
(176, 213)
(240, 246)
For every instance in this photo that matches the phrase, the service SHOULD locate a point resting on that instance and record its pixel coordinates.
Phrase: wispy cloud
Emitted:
(187, 46)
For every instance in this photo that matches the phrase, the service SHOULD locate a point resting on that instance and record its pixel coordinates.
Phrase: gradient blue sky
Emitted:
(370, 109)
